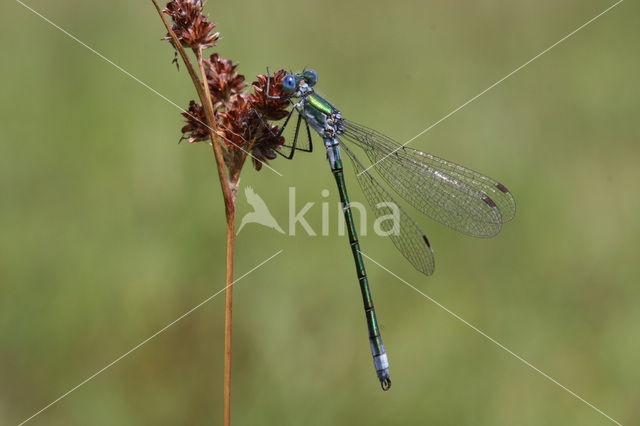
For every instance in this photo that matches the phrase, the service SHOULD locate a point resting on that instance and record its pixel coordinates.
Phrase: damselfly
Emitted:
(455, 196)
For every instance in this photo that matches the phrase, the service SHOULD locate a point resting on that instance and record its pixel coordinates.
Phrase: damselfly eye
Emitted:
(311, 76)
(289, 83)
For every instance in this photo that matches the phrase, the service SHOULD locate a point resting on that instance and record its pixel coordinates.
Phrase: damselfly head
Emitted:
(292, 82)
(289, 83)
(310, 76)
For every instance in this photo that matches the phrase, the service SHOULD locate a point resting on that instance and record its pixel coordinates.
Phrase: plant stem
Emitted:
(229, 198)
(230, 202)
(229, 191)
(235, 177)
(227, 320)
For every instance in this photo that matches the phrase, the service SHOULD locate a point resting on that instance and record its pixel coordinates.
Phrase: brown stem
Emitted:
(230, 199)
(229, 191)
(207, 102)
(227, 320)
(228, 305)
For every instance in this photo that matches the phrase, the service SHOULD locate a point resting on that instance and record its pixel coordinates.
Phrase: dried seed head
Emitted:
(196, 129)
(223, 79)
(240, 124)
(264, 147)
(270, 109)
(235, 122)
(239, 128)
(240, 119)
(192, 28)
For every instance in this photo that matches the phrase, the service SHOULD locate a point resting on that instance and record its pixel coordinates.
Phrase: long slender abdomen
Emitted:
(378, 352)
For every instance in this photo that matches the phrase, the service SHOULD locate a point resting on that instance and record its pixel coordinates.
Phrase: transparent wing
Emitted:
(402, 229)
(455, 196)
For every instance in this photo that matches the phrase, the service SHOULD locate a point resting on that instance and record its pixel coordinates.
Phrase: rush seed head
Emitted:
(190, 25)
(242, 118)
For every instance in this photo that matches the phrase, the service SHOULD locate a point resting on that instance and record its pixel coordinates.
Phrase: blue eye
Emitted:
(289, 83)
(311, 76)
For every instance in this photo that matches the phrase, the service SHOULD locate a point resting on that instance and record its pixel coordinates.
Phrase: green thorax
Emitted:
(316, 110)
(319, 103)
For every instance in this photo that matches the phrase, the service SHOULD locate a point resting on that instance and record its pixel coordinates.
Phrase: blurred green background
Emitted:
(110, 229)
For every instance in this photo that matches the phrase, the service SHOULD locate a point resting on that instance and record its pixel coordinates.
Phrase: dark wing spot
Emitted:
(489, 201)
(502, 188)
(426, 240)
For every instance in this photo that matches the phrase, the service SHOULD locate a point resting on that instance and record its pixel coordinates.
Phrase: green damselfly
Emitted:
(455, 196)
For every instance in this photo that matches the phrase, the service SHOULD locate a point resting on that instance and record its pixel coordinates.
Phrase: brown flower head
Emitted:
(234, 122)
(265, 146)
(241, 120)
(190, 25)
(241, 127)
(196, 129)
(270, 109)
(223, 79)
